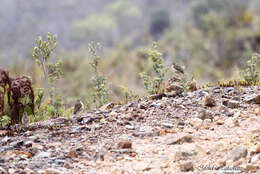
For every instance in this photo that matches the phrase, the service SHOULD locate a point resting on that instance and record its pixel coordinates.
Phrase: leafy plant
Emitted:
(52, 71)
(128, 94)
(153, 84)
(101, 91)
(250, 73)
(39, 97)
(4, 121)
(16, 98)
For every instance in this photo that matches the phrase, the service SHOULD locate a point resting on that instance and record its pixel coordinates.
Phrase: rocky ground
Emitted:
(215, 130)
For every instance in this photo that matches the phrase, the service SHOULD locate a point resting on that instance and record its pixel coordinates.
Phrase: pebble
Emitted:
(141, 166)
(91, 172)
(180, 140)
(146, 129)
(251, 168)
(130, 127)
(3, 159)
(28, 144)
(124, 145)
(237, 153)
(52, 171)
(28, 171)
(255, 159)
(118, 171)
(209, 101)
(6, 139)
(257, 99)
(2, 171)
(142, 106)
(11, 171)
(43, 155)
(167, 125)
(195, 122)
(183, 155)
(257, 149)
(253, 98)
(17, 144)
(186, 166)
(233, 104)
(41, 171)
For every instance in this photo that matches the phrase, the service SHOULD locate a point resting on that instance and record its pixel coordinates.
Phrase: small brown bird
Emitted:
(178, 68)
(78, 106)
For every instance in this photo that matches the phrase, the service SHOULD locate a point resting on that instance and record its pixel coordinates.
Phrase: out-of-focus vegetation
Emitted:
(251, 73)
(154, 84)
(100, 94)
(52, 71)
(211, 38)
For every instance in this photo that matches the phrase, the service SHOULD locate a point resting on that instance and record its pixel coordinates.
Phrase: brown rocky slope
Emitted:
(214, 130)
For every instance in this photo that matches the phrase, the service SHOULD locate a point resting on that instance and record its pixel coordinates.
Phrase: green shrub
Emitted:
(250, 73)
(153, 83)
(128, 94)
(101, 91)
(52, 70)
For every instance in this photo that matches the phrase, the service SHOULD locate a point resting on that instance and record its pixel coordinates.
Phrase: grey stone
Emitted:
(28, 144)
(28, 171)
(255, 159)
(3, 159)
(167, 125)
(179, 140)
(146, 129)
(91, 172)
(43, 155)
(252, 98)
(129, 127)
(11, 171)
(17, 144)
(233, 104)
(237, 153)
(6, 139)
(2, 171)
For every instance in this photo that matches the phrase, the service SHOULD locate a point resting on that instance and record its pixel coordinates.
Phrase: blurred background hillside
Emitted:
(212, 38)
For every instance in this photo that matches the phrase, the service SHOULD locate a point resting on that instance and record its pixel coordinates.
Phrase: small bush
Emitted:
(101, 91)
(128, 94)
(52, 70)
(153, 84)
(250, 74)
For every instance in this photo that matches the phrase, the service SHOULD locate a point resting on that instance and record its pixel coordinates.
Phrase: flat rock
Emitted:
(255, 98)
(52, 171)
(237, 153)
(167, 125)
(233, 104)
(180, 140)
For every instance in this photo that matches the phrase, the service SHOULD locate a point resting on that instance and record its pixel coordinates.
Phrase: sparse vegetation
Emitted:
(128, 94)
(109, 97)
(101, 92)
(15, 98)
(153, 83)
(52, 71)
(250, 74)
(125, 43)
